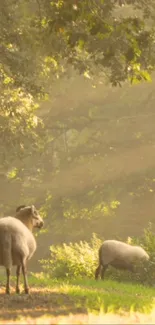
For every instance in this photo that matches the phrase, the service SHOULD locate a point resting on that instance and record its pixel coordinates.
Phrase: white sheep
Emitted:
(120, 255)
(17, 243)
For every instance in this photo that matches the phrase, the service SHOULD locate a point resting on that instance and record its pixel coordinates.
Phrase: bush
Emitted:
(81, 259)
(73, 260)
(147, 241)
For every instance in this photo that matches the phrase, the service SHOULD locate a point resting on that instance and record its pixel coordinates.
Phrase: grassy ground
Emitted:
(77, 302)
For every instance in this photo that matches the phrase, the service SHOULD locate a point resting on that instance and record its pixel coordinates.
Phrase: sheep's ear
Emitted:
(20, 207)
(32, 209)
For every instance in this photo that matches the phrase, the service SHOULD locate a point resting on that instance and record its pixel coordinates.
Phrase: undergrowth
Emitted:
(78, 260)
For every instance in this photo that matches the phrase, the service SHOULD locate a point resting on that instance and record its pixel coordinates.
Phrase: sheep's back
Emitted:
(16, 236)
(113, 249)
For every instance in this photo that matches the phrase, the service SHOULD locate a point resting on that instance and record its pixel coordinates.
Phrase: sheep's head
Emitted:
(29, 216)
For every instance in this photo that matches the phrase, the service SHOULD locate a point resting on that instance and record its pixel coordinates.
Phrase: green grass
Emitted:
(81, 298)
(108, 294)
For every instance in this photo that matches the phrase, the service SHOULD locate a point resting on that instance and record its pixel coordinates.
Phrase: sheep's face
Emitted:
(29, 216)
(36, 218)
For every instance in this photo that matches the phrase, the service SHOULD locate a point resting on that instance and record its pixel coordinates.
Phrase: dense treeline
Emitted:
(80, 150)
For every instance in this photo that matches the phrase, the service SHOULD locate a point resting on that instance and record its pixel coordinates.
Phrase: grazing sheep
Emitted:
(17, 243)
(120, 255)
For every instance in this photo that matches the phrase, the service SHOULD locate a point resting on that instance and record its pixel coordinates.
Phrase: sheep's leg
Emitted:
(24, 270)
(97, 272)
(18, 278)
(8, 273)
(103, 271)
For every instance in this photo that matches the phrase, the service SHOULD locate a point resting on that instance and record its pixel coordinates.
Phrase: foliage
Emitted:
(72, 260)
(96, 38)
(80, 259)
(64, 161)
(40, 40)
(19, 82)
(18, 125)
(147, 241)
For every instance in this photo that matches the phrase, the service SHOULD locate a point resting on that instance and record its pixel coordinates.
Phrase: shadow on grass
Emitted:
(37, 304)
(48, 297)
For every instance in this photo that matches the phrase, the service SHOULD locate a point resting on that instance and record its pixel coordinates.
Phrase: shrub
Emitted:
(73, 260)
(147, 241)
(77, 260)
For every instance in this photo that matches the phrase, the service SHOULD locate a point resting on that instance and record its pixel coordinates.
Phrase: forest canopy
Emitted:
(74, 160)
(103, 39)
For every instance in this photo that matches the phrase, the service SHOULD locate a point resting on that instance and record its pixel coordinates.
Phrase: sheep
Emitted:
(119, 255)
(17, 243)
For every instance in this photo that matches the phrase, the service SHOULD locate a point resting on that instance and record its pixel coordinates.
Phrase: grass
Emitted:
(78, 301)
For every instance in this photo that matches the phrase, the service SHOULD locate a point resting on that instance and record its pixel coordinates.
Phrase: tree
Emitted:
(98, 38)
(19, 70)
(113, 39)
(39, 41)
